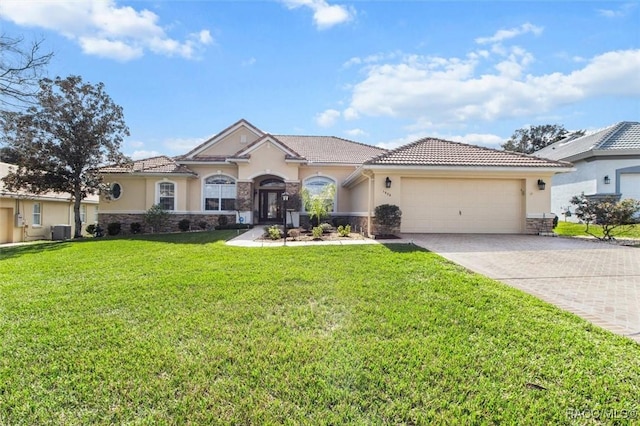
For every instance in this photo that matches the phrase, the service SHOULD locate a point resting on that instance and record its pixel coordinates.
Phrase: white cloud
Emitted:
(480, 139)
(503, 35)
(182, 145)
(486, 86)
(248, 62)
(138, 155)
(356, 132)
(327, 118)
(620, 12)
(325, 15)
(103, 28)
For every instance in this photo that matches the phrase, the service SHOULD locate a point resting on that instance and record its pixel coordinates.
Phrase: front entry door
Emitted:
(270, 206)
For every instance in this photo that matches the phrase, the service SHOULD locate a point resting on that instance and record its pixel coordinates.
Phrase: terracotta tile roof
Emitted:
(438, 152)
(624, 135)
(330, 149)
(160, 164)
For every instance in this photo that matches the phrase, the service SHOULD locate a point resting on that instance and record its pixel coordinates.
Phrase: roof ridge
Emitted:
(334, 137)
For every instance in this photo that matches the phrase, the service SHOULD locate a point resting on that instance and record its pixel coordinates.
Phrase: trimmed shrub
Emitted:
(326, 227)
(388, 219)
(344, 231)
(223, 220)
(114, 228)
(317, 232)
(202, 225)
(184, 225)
(135, 227)
(156, 217)
(91, 229)
(293, 233)
(274, 232)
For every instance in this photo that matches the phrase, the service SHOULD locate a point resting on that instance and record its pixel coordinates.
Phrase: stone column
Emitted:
(244, 196)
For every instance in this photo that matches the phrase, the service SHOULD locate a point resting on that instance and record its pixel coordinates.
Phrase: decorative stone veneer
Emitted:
(172, 223)
(244, 197)
(535, 226)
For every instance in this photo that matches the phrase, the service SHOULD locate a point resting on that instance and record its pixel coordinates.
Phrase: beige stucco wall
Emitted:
(268, 159)
(139, 193)
(359, 197)
(231, 143)
(52, 213)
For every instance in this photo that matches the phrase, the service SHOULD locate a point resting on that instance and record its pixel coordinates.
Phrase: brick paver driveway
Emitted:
(597, 281)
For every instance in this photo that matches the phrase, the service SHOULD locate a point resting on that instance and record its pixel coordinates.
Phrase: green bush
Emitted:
(91, 229)
(326, 227)
(114, 228)
(344, 231)
(202, 225)
(317, 232)
(274, 232)
(184, 225)
(223, 220)
(388, 218)
(156, 217)
(135, 227)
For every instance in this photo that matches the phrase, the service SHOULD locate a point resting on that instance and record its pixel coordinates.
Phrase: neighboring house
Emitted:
(242, 172)
(29, 217)
(607, 162)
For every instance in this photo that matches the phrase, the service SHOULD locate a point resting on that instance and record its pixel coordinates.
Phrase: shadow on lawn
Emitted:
(31, 248)
(404, 248)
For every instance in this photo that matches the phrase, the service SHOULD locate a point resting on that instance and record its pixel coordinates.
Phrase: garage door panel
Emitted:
(461, 205)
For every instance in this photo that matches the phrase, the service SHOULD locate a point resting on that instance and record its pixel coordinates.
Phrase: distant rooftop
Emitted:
(160, 164)
(621, 136)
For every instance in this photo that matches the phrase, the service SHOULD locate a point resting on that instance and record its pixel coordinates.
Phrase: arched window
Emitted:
(219, 193)
(317, 186)
(167, 195)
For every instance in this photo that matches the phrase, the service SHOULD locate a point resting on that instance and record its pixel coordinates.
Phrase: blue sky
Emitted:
(379, 72)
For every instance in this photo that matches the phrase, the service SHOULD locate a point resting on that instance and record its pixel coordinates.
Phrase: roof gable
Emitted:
(266, 139)
(221, 145)
(614, 139)
(439, 152)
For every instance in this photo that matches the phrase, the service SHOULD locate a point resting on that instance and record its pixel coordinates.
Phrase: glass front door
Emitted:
(271, 206)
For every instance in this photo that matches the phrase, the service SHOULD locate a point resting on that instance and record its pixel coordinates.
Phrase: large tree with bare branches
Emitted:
(22, 65)
(61, 141)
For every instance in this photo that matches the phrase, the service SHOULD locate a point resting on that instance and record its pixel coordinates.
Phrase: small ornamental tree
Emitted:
(611, 214)
(318, 205)
(388, 219)
(156, 217)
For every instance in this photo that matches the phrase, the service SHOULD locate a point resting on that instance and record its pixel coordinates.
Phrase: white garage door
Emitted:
(630, 185)
(462, 206)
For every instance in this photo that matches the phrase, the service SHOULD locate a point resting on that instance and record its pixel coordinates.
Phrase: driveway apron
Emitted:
(598, 281)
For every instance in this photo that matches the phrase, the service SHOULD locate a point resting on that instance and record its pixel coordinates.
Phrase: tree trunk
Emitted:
(77, 200)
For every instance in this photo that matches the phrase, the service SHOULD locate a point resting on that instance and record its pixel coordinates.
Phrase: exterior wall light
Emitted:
(387, 182)
(607, 180)
(541, 184)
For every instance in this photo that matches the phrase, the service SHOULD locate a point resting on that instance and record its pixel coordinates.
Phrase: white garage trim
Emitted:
(438, 205)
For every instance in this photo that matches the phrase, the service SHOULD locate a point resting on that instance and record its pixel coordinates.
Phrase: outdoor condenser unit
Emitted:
(60, 232)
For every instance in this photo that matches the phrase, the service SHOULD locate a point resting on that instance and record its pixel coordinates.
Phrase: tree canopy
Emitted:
(73, 129)
(21, 68)
(533, 138)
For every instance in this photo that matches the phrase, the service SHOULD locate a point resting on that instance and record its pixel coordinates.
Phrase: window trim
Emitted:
(175, 193)
(111, 191)
(38, 214)
(203, 205)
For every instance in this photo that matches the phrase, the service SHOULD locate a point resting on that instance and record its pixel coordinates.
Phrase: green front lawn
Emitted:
(182, 329)
(579, 229)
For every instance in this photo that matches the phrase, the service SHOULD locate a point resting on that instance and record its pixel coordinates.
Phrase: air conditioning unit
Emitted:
(60, 232)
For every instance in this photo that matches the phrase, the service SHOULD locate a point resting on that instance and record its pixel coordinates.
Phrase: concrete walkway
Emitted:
(598, 281)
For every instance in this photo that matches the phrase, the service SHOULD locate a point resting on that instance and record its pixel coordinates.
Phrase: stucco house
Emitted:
(607, 162)
(242, 172)
(30, 217)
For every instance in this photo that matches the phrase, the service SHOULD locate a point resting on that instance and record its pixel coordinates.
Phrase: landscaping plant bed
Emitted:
(308, 236)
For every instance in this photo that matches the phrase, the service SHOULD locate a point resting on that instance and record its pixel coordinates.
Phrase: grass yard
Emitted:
(181, 329)
(578, 229)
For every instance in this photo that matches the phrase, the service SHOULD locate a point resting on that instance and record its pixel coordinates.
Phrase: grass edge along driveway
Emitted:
(181, 329)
